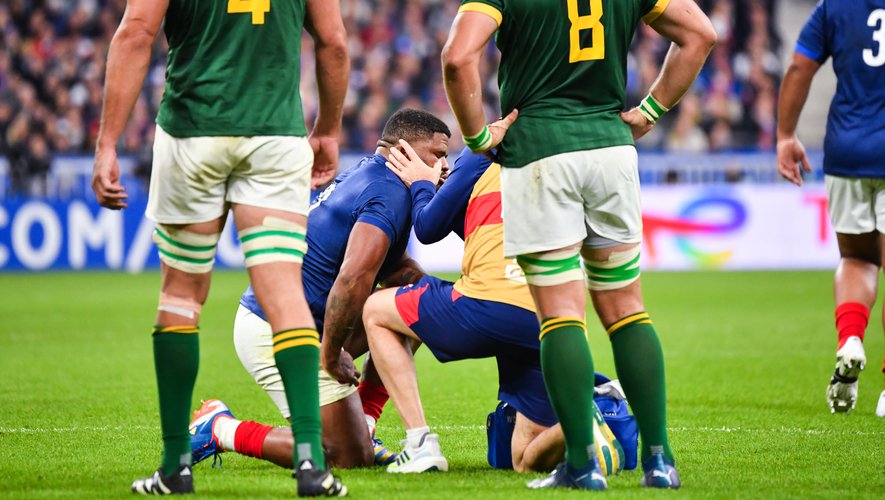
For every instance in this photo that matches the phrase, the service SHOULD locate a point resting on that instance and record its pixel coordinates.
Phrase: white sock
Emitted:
(413, 436)
(370, 421)
(224, 429)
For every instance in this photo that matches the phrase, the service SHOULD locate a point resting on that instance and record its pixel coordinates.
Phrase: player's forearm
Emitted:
(680, 69)
(129, 58)
(793, 94)
(464, 90)
(344, 308)
(408, 273)
(332, 73)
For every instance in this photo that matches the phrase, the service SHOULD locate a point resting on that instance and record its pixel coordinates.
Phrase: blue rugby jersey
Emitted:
(367, 192)
(852, 32)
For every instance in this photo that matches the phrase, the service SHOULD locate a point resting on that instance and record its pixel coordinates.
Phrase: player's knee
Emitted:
(274, 240)
(185, 250)
(375, 312)
(619, 270)
(348, 453)
(551, 268)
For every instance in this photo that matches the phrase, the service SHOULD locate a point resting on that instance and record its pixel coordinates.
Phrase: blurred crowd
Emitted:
(52, 63)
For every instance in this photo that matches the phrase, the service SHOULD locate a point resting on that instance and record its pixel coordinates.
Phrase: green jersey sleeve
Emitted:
(652, 9)
(491, 8)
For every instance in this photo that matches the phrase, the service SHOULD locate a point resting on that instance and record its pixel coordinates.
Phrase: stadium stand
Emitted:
(53, 55)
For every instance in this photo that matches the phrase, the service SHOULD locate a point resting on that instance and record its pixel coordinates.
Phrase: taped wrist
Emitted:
(481, 142)
(185, 250)
(652, 109)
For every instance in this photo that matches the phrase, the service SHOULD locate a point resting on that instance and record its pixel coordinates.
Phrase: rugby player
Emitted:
(488, 312)
(230, 135)
(570, 187)
(358, 231)
(852, 32)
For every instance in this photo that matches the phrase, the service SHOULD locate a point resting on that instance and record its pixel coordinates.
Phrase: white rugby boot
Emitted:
(842, 390)
(426, 457)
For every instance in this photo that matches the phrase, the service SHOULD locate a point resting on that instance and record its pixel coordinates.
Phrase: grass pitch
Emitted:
(748, 357)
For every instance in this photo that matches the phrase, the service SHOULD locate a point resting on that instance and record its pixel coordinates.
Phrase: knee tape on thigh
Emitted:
(185, 250)
(275, 240)
(184, 307)
(621, 269)
(550, 269)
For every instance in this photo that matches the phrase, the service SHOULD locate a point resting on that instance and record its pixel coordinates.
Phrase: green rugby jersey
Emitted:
(233, 68)
(564, 67)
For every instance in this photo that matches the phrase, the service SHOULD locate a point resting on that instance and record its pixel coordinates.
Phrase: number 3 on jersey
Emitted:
(876, 20)
(258, 8)
(591, 21)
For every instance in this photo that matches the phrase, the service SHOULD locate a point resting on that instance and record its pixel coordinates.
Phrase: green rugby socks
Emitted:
(176, 361)
(639, 361)
(568, 375)
(297, 354)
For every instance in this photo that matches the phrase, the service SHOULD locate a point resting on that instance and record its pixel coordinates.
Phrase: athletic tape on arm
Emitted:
(275, 240)
(185, 250)
(621, 269)
(550, 269)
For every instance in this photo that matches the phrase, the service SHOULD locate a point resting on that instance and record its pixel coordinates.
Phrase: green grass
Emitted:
(748, 356)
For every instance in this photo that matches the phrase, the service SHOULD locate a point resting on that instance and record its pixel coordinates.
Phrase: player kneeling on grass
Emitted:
(357, 232)
(487, 313)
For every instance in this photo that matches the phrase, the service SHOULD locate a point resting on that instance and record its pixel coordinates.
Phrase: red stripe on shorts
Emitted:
(407, 304)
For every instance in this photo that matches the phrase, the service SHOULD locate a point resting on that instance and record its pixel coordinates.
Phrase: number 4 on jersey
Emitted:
(258, 8)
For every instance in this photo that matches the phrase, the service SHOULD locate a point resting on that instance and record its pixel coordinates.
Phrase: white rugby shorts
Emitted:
(583, 196)
(253, 340)
(856, 204)
(194, 179)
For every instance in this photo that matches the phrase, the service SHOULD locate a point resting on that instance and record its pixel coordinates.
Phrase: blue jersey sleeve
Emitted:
(436, 216)
(385, 204)
(813, 42)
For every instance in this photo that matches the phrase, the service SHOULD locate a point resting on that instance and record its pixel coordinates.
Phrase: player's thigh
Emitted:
(851, 202)
(444, 321)
(253, 342)
(521, 384)
(345, 433)
(391, 308)
(188, 178)
(612, 203)
(541, 206)
(273, 173)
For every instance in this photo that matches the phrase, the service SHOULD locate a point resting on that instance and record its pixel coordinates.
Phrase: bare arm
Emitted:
(332, 72)
(366, 249)
(129, 57)
(693, 37)
(470, 34)
(408, 272)
(794, 92)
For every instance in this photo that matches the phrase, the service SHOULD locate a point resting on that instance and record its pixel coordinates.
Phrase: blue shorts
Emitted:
(456, 327)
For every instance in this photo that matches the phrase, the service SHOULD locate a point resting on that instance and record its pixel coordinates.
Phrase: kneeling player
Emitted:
(357, 233)
(487, 313)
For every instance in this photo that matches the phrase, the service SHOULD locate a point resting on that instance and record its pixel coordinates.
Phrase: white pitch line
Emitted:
(782, 430)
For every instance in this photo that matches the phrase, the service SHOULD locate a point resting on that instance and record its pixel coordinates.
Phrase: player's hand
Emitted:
(341, 368)
(639, 124)
(106, 180)
(790, 154)
(499, 129)
(410, 168)
(325, 159)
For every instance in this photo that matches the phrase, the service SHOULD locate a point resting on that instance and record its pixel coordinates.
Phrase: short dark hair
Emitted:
(412, 125)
